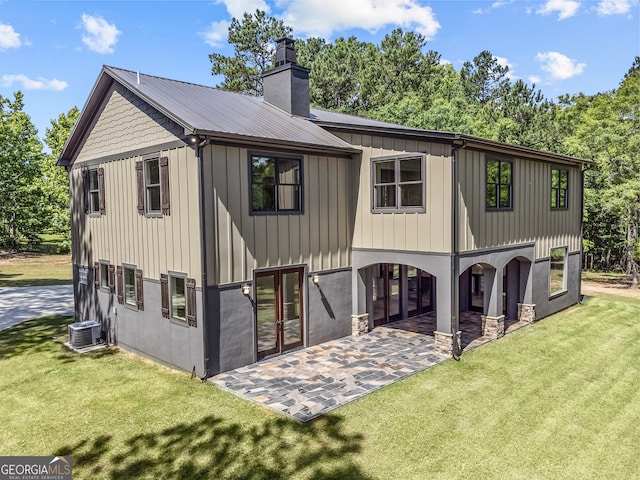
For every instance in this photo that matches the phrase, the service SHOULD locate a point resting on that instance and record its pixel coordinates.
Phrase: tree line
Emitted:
(398, 80)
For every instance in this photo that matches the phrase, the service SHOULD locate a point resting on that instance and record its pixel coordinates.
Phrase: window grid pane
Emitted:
(94, 192)
(276, 184)
(152, 177)
(398, 184)
(498, 186)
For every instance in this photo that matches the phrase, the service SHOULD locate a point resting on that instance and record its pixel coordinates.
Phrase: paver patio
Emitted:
(306, 383)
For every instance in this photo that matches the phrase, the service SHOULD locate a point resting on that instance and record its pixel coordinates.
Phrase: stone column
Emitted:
(359, 324)
(444, 342)
(526, 312)
(493, 327)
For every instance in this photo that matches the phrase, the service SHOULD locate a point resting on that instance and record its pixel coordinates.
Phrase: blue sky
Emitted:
(53, 50)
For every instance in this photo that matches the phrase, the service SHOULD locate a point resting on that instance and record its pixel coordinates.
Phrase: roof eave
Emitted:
(261, 142)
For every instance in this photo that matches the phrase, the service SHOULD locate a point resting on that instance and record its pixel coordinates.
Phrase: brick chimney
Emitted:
(286, 86)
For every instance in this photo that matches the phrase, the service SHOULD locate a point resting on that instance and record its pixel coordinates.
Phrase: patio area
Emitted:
(306, 383)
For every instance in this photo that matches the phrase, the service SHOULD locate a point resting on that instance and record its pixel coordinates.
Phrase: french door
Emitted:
(279, 317)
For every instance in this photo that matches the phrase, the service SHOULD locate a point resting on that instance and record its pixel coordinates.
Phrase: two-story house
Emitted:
(212, 229)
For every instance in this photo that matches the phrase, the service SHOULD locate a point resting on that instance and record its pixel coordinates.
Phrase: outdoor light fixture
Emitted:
(246, 289)
(315, 279)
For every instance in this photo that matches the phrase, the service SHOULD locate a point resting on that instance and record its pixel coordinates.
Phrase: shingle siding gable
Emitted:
(125, 123)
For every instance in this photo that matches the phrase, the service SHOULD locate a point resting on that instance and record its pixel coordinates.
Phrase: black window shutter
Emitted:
(140, 183)
(120, 286)
(164, 185)
(85, 190)
(101, 190)
(96, 274)
(112, 278)
(164, 294)
(191, 302)
(139, 290)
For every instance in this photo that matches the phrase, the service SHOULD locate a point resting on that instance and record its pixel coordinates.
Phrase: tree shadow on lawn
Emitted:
(212, 447)
(40, 335)
(33, 335)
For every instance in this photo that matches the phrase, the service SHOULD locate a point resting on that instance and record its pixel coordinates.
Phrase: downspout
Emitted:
(203, 252)
(582, 170)
(456, 351)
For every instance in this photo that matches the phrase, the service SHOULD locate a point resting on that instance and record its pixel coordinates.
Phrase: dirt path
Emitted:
(594, 288)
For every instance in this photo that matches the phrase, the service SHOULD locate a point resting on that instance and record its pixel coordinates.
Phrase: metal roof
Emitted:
(237, 118)
(208, 111)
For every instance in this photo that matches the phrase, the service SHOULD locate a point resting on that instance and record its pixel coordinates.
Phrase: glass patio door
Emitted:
(279, 319)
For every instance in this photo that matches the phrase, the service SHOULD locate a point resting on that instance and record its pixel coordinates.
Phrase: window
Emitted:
(130, 287)
(102, 277)
(152, 185)
(559, 187)
(557, 271)
(398, 184)
(93, 185)
(152, 175)
(499, 181)
(178, 297)
(276, 184)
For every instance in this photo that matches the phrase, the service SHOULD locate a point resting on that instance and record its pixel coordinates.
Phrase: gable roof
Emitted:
(236, 118)
(206, 111)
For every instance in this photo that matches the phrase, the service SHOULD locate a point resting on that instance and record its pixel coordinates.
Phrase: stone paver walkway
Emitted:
(307, 383)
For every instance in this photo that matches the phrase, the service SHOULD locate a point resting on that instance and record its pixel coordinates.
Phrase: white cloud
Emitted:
(493, 6)
(613, 7)
(31, 84)
(9, 38)
(559, 66)
(216, 34)
(535, 79)
(565, 8)
(100, 36)
(323, 17)
(236, 8)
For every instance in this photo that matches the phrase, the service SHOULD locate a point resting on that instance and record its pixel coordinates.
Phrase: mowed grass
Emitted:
(559, 399)
(34, 269)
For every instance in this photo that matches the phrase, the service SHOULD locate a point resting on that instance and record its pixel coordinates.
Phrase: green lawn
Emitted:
(32, 270)
(559, 399)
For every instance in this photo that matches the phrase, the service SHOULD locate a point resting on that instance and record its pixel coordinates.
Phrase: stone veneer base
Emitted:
(526, 312)
(359, 324)
(444, 342)
(493, 327)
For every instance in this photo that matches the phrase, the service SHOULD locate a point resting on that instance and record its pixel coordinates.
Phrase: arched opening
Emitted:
(403, 295)
(476, 287)
(515, 278)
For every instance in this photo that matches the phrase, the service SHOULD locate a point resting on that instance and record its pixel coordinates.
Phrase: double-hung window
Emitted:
(559, 188)
(398, 184)
(153, 186)
(130, 287)
(499, 184)
(276, 184)
(178, 297)
(93, 184)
